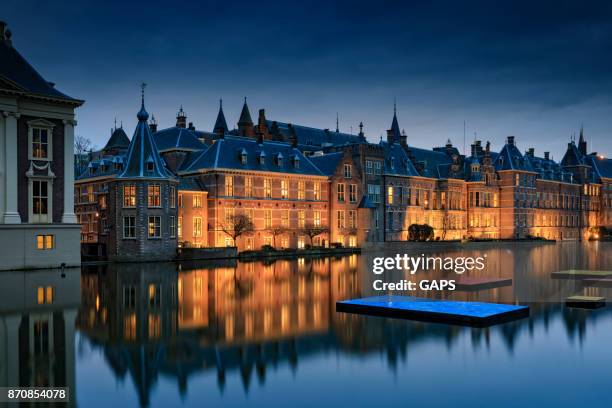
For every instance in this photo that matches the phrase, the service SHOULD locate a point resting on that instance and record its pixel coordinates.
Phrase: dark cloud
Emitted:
(535, 69)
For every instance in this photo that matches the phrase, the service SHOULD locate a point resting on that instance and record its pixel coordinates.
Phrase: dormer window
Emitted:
(150, 166)
(392, 163)
(243, 157)
(475, 168)
(296, 162)
(279, 160)
(262, 158)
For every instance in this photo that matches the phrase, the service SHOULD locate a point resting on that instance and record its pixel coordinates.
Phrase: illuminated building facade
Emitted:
(290, 179)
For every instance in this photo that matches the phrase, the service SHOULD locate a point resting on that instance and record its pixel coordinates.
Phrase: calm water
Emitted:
(267, 334)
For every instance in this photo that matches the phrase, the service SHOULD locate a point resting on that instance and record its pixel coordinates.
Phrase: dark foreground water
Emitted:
(267, 334)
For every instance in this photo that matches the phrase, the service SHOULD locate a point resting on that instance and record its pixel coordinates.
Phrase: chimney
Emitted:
(390, 136)
(191, 127)
(531, 152)
(5, 33)
(510, 140)
(181, 118)
(547, 155)
(403, 138)
(2, 29)
(473, 149)
(153, 124)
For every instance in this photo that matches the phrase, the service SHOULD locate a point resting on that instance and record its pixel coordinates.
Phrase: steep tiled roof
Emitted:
(602, 167)
(510, 158)
(177, 138)
(308, 136)
(143, 159)
(106, 166)
(118, 140)
(548, 169)
(327, 163)
(220, 123)
(435, 164)
(16, 74)
(245, 115)
(227, 153)
(572, 156)
(397, 162)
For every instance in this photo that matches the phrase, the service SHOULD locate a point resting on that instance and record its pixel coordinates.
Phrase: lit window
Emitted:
(197, 201)
(129, 227)
(129, 196)
(301, 190)
(352, 219)
(179, 226)
(340, 192)
(44, 295)
(44, 242)
(40, 143)
(197, 227)
(154, 193)
(180, 200)
(267, 188)
(40, 197)
(229, 186)
(154, 227)
(390, 195)
(284, 193)
(285, 218)
(317, 190)
(248, 186)
(301, 218)
(268, 219)
(317, 218)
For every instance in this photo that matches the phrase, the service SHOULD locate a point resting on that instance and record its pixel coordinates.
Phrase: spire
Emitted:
(220, 124)
(143, 159)
(337, 128)
(142, 115)
(115, 122)
(394, 134)
(582, 144)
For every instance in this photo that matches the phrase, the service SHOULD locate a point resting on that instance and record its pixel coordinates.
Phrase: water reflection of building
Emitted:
(153, 319)
(246, 319)
(37, 314)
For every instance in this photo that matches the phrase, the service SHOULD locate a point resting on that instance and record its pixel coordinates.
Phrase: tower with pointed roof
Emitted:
(245, 123)
(143, 201)
(393, 134)
(220, 127)
(181, 118)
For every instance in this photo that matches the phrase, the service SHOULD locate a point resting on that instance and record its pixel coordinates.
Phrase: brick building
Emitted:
(289, 179)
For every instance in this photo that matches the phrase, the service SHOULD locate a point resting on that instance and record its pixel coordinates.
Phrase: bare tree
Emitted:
(237, 225)
(446, 220)
(82, 145)
(277, 231)
(314, 231)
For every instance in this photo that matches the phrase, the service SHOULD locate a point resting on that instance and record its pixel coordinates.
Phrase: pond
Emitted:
(228, 333)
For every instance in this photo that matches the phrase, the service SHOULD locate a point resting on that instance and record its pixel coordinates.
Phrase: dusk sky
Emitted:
(535, 70)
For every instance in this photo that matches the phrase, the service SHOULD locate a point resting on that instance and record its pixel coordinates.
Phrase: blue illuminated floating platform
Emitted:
(585, 302)
(475, 314)
(580, 274)
(466, 283)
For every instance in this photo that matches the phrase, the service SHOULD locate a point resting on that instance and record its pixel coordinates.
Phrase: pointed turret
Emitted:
(582, 144)
(117, 142)
(394, 134)
(143, 159)
(220, 124)
(245, 123)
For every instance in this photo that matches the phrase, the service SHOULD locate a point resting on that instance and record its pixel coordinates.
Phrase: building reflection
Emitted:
(37, 315)
(248, 317)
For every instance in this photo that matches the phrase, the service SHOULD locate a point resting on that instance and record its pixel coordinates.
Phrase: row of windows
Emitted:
(341, 192)
(341, 219)
(248, 188)
(154, 227)
(400, 195)
(373, 167)
(154, 196)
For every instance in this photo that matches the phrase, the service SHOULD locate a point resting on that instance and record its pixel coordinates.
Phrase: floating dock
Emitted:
(476, 314)
(599, 283)
(467, 283)
(585, 302)
(580, 274)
